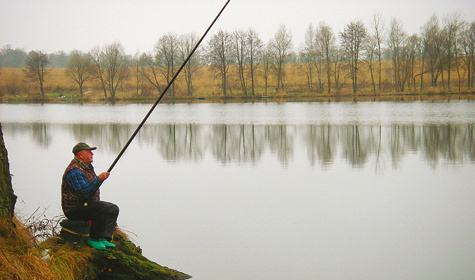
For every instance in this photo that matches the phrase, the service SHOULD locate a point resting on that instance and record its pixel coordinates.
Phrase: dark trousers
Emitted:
(103, 216)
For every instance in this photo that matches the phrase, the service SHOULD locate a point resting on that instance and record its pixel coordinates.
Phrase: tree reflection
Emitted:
(110, 136)
(449, 142)
(320, 143)
(247, 143)
(177, 142)
(404, 139)
(280, 143)
(40, 134)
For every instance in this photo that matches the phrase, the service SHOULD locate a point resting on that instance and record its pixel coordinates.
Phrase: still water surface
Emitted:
(268, 190)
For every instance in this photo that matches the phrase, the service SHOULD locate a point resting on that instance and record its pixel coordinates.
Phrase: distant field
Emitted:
(207, 86)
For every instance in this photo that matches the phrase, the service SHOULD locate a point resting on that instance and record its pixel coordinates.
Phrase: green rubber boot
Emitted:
(96, 244)
(107, 243)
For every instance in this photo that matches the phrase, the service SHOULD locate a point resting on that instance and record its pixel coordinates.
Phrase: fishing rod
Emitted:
(165, 90)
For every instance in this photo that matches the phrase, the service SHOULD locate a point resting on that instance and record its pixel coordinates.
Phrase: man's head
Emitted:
(83, 152)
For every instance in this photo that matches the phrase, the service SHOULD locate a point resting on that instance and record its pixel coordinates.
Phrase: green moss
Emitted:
(126, 262)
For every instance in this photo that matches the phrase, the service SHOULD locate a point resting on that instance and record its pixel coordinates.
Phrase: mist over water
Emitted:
(268, 190)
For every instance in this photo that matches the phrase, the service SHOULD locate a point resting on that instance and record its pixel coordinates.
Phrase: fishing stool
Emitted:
(75, 231)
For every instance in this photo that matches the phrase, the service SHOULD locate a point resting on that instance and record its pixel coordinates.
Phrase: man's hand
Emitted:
(103, 175)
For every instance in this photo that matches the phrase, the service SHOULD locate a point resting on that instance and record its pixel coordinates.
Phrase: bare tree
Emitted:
(468, 46)
(282, 47)
(138, 77)
(167, 55)
(267, 61)
(377, 41)
(219, 56)
(117, 65)
(307, 56)
(36, 63)
(451, 30)
(317, 57)
(403, 51)
(397, 41)
(412, 56)
(338, 57)
(110, 67)
(247, 48)
(149, 69)
(240, 55)
(432, 43)
(371, 48)
(187, 43)
(352, 39)
(97, 68)
(255, 46)
(326, 43)
(142, 88)
(79, 69)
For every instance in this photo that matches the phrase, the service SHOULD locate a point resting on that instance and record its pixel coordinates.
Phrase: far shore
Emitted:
(54, 98)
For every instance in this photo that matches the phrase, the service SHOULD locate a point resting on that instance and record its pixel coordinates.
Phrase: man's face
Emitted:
(85, 156)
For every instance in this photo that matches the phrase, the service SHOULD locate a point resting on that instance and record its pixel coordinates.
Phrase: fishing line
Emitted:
(165, 90)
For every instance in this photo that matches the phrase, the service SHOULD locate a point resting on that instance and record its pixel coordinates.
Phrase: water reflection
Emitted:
(247, 143)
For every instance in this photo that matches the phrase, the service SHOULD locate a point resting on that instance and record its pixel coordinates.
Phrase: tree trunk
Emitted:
(7, 198)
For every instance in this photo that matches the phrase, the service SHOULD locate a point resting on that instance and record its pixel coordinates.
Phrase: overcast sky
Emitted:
(54, 25)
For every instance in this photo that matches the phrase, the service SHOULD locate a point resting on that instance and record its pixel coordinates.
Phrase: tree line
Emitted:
(379, 56)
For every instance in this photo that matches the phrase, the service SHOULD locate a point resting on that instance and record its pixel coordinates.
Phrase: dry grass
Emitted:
(206, 84)
(69, 263)
(21, 257)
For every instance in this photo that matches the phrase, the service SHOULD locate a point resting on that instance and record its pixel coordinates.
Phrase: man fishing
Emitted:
(80, 186)
(80, 197)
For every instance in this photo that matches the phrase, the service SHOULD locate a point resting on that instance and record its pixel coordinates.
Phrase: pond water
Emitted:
(270, 190)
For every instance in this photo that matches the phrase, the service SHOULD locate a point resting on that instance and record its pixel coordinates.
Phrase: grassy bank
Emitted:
(22, 257)
(435, 96)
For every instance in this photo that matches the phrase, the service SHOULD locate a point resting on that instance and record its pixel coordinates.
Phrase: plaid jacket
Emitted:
(80, 184)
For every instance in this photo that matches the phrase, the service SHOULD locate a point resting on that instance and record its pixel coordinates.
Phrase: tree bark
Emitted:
(7, 198)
